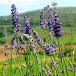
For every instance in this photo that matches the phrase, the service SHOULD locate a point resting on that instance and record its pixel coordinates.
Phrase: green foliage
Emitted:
(1, 33)
(67, 17)
(2, 41)
(68, 50)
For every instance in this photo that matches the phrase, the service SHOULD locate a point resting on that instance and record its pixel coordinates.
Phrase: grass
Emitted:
(4, 26)
(16, 63)
(67, 17)
(65, 39)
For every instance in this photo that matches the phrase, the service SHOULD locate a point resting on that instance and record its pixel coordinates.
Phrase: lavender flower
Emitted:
(5, 37)
(50, 20)
(62, 71)
(46, 7)
(12, 47)
(70, 69)
(48, 49)
(57, 26)
(5, 33)
(13, 41)
(15, 19)
(5, 44)
(54, 4)
(26, 28)
(42, 20)
(60, 56)
(18, 46)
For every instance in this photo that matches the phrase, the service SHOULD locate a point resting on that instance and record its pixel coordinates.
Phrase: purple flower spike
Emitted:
(58, 56)
(26, 28)
(70, 69)
(57, 25)
(62, 71)
(5, 34)
(50, 20)
(42, 20)
(15, 23)
(48, 49)
(62, 55)
(15, 19)
(51, 61)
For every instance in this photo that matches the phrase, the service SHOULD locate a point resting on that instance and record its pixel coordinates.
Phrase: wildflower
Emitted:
(50, 20)
(26, 28)
(58, 56)
(16, 25)
(33, 74)
(12, 47)
(31, 41)
(56, 42)
(5, 44)
(57, 25)
(70, 69)
(62, 55)
(54, 4)
(18, 46)
(46, 7)
(23, 73)
(5, 33)
(47, 68)
(48, 49)
(42, 20)
(13, 41)
(62, 71)
(44, 71)
(15, 19)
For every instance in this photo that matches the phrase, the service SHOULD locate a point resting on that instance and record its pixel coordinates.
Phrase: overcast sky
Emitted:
(31, 5)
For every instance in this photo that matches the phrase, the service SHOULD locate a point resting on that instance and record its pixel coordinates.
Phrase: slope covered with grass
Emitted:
(67, 17)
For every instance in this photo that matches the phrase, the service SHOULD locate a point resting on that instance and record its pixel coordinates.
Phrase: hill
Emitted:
(67, 17)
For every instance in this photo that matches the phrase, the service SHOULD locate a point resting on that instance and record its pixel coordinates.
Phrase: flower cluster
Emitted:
(5, 36)
(52, 64)
(13, 41)
(31, 42)
(16, 26)
(18, 46)
(47, 69)
(50, 20)
(26, 28)
(57, 26)
(46, 7)
(15, 19)
(48, 49)
(5, 33)
(42, 20)
(60, 56)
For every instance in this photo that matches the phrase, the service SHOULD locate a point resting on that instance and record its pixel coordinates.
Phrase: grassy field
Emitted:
(67, 17)
(16, 63)
(68, 36)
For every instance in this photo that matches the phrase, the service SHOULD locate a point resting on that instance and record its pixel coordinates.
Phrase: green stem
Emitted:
(27, 58)
(11, 62)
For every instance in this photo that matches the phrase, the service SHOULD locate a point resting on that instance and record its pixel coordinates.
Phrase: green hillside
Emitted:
(67, 17)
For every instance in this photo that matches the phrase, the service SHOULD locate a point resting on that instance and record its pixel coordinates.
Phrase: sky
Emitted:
(31, 5)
